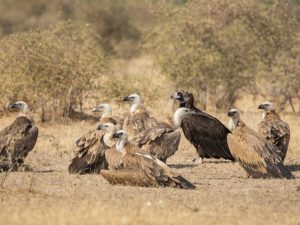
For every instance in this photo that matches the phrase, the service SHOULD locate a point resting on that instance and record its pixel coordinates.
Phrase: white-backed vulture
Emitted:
(139, 118)
(162, 141)
(205, 132)
(106, 115)
(142, 169)
(275, 130)
(90, 148)
(254, 153)
(17, 140)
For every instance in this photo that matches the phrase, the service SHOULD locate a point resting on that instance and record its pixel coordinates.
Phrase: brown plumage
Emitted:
(205, 132)
(17, 140)
(141, 169)
(90, 150)
(162, 141)
(274, 129)
(139, 118)
(256, 155)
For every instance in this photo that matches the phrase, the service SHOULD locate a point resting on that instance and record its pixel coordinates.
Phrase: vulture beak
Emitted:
(126, 99)
(99, 127)
(230, 114)
(13, 106)
(96, 109)
(261, 106)
(117, 135)
(175, 96)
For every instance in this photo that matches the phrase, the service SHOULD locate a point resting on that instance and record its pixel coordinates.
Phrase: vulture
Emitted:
(205, 132)
(112, 156)
(106, 115)
(90, 148)
(139, 118)
(162, 141)
(139, 169)
(253, 152)
(17, 140)
(272, 128)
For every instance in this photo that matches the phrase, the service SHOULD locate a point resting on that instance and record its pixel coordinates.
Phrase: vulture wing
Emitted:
(207, 134)
(256, 155)
(89, 153)
(18, 139)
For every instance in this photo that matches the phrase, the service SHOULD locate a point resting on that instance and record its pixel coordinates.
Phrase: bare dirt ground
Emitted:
(223, 195)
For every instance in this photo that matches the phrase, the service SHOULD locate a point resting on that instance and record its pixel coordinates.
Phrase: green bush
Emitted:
(51, 68)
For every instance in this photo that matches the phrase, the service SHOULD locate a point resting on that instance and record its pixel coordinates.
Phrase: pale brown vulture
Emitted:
(162, 141)
(90, 148)
(141, 169)
(205, 132)
(139, 118)
(17, 140)
(254, 153)
(274, 129)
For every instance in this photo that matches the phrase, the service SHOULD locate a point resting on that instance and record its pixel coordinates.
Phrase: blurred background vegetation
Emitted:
(64, 55)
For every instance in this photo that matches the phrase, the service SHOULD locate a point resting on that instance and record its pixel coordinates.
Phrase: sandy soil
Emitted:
(223, 196)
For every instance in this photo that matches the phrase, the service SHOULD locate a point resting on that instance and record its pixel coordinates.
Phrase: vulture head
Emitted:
(107, 127)
(267, 106)
(121, 135)
(133, 99)
(185, 98)
(20, 106)
(234, 116)
(179, 115)
(104, 108)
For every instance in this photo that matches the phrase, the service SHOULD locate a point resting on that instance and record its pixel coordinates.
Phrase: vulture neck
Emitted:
(120, 146)
(269, 113)
(189, 105)
(108, 139)
(25, 111)
(177, 120)
(133, 108)
(233, 124)
(106, 113)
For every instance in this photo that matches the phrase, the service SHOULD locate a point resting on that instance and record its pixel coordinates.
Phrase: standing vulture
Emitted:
(139, 118)
(17, 140)
(162, 141)
(140, 169)
(272, 128)
(205, 132)
(90, 148)
(254, 153)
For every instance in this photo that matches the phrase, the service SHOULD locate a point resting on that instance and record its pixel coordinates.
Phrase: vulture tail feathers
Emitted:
(78, 165)
(183, 183)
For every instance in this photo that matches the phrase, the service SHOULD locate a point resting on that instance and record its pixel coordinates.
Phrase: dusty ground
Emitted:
(223, 195)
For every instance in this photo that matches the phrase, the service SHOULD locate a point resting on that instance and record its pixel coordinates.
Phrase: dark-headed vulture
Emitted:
(254, 153)
(274, 129)
(162, 141)
(139, 118)
(205, 132)
(140, 169)
(17, 140)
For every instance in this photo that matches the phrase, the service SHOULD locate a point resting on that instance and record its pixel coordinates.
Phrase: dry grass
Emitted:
(223, 195)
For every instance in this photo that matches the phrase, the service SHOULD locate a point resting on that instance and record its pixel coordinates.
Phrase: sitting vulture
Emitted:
(106, 116)
(17, 140)
(254, 153)
(272, 128)
(140, 169)
(162, 141)
(206, 133)
(112, 156)
(90, 148)
(139, 118)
